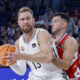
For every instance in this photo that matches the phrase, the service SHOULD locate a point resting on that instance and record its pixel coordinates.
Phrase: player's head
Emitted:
(59, 22)
(25, 19)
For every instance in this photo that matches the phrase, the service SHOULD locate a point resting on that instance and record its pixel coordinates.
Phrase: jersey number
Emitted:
(37, 65)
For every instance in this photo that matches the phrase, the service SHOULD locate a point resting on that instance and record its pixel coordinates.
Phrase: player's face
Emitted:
(56, 24)
(25, 21)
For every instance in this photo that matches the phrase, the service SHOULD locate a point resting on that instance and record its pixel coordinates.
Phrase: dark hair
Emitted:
(63, 16)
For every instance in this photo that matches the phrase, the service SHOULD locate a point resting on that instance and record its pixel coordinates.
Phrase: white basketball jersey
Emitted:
(32, 47)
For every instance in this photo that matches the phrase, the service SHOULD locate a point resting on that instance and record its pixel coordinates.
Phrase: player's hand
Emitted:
(14, 56)
(7, 59)
(17, 55)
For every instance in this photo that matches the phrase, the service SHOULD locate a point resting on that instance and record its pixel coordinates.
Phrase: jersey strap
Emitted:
(63, 38)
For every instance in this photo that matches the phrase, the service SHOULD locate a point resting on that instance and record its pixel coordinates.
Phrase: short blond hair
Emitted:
(25, 9)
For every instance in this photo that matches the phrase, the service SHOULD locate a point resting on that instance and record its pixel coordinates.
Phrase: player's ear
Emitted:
(65, 24)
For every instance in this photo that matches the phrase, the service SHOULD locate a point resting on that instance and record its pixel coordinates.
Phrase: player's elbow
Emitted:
(66, 67)
(49, 59)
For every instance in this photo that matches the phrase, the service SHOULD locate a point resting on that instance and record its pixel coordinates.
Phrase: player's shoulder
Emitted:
(43, 31)
(71, 41)
(43, 34)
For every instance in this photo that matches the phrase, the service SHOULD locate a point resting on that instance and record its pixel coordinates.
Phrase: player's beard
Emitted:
(56, 31)
(27, 30)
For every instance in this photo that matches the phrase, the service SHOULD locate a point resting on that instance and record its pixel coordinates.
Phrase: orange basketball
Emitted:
(3, 49)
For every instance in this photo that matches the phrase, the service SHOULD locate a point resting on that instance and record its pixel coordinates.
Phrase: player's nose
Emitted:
(52, 24)
(25, 21)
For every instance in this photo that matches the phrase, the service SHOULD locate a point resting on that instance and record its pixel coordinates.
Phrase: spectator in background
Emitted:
(11, 4)
(17, 35)
(4, 42)
(3, 7)
(40, 20)
(78, 29)
(2, 31)
(13, 18)
(49, 12)
(48, 21)
(11, 41)
(2, 34)
(76, 13)
(76, 19)
(48, 24)
(72, 28)
(64, 9)
(37, 25)
(40, 23)
(12, 30)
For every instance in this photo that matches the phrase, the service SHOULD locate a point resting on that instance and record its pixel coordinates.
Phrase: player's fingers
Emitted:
(7, 58)
(6, 54)
(9, 53)
(11, 63)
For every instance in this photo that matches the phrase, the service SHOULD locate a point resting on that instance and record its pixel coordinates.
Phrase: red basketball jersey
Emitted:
(74, 70)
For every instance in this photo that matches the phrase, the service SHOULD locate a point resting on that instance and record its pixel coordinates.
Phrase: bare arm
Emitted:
(70, 47)
(20, 66)
(45, 55)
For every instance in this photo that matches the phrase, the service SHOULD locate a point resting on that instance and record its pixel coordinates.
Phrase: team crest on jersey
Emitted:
(34, 45)
(58, 46)
(22, 48)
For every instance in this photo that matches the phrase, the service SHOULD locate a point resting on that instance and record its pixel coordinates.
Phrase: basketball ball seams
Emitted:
(11, 48)
(4, 49)
(6, 53)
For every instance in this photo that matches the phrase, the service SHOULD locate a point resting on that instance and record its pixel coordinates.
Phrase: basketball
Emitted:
(3, 52)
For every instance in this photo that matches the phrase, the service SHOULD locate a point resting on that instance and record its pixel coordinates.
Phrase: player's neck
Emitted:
(28, 36)
(58, 35)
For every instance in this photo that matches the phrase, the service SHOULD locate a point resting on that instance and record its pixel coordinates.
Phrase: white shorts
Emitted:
(49, 77)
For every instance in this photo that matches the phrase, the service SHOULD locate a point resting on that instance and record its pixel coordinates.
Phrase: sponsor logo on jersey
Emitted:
(34, 45)
(58, 46)
(22, 48)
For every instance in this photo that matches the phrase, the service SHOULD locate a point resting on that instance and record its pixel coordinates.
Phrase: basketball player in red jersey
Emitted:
(67, 47)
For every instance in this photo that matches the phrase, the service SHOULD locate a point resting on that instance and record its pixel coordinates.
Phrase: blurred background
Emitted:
(43, 11)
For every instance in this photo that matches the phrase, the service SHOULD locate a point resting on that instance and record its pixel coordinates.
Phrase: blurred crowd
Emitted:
(9, 30)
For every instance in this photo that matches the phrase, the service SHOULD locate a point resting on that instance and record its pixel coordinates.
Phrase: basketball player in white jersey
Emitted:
(67, 47)
(34, 48)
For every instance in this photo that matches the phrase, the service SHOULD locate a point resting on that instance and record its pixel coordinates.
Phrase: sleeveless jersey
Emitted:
(74, 70)
(38, 69)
